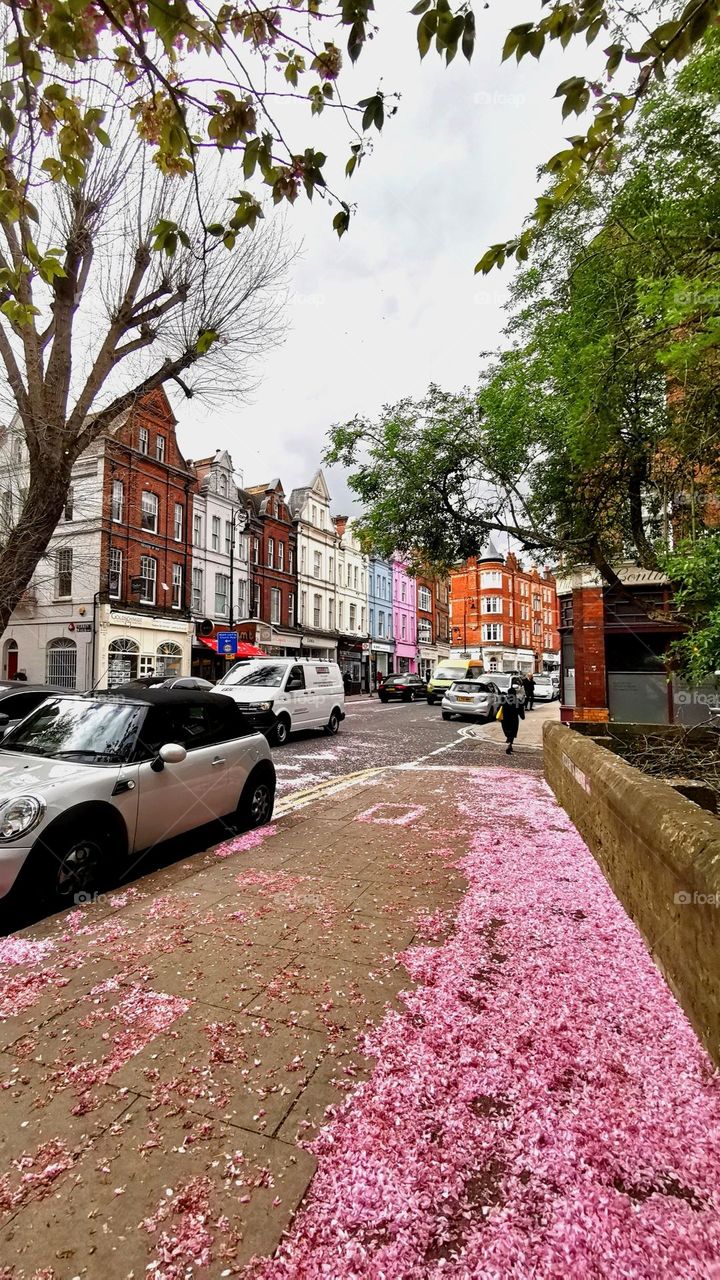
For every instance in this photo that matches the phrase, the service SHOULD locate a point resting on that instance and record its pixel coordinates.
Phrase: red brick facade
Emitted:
(147, 506)
(590, 672)
(495, 601)
(273, 556)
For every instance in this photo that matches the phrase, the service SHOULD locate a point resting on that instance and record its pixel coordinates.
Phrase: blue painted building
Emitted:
(380, 618)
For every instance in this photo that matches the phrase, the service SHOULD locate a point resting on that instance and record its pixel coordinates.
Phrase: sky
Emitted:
(395, 305)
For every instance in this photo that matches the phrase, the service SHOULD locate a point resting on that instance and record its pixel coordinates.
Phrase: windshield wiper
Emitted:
(83, 751)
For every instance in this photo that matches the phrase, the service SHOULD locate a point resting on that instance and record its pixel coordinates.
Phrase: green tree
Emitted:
(585, 432)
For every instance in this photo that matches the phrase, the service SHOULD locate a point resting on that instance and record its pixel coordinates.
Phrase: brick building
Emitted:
(143, 611)
(505, 614)
(433, 623)
(271, 620)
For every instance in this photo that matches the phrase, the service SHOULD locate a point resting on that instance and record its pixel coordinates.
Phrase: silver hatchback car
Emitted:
(88, 780)
(471, 699)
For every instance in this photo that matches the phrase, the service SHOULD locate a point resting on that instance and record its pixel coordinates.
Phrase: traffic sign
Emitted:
(227, 642)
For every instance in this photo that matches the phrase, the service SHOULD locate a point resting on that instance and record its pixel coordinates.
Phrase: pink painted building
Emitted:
(404, 617)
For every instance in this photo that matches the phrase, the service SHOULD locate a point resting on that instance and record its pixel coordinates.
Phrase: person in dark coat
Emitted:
(511, 712)
(529, 687)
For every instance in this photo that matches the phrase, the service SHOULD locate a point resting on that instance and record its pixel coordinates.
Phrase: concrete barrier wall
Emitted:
(661, 855)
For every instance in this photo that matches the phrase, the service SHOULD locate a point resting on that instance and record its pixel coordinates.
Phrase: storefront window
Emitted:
(169, 659)
(123, 657)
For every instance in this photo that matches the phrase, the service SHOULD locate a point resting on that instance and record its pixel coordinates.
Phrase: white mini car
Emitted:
(88, 780)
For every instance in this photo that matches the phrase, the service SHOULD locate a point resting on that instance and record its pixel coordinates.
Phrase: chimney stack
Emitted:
(340, 523)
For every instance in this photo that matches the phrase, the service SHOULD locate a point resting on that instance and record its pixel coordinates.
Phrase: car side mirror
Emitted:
(4, 722)
(292, 685)
(170, 753)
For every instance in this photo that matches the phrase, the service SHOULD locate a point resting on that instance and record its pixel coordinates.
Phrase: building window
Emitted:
(122, 661)
(403, 591)
(222, 485)
(68, 513)
(160, 448)
(61, 663)
(242, 597)
(63, 573)
(144, 444)
(492, 631)
(424, 631)
(349, 575)
(228, 537)
(331, 615)
(492, 604)
(317, 564)
(215, 533)
(149, 512)
(222, 587)
(331, 567)
(148, 574)
(256, 601)
(291, 560)
(536, 602)
(177, 586)
(381, 624)
(197, 591)
(303, 606)
(178, 522)
(353, 617)
(322, 517)
(117, 501)
(291, 610)
(281, 556)
(317, 611)
(491, 578)
(362, 620)
(314, 515)
(537, 628)
(355, 577)
(424, 599)
(115, 567)
(197, 531)
(275, 605)
(271, 553)
(341, 613)
(403, 626)
(169, 659)
(256, 550)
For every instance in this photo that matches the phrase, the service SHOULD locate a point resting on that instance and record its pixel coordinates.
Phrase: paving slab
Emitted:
(133, 1202)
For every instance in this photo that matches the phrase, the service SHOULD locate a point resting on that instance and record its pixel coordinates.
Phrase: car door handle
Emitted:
(218, 760)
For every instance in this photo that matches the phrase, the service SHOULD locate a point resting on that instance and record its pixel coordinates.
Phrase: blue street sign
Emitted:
(227, 642)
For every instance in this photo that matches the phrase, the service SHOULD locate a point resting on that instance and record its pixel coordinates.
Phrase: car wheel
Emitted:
(256, 803)
(75, 866)
(333, 723)
(383, 699)
(447, 715)
(281, 732)
(430, 701)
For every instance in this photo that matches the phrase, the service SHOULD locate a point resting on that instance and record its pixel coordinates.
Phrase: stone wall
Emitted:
(661, 855)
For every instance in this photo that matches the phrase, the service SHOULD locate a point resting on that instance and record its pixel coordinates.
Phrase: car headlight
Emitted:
(20, 815)
(258, 706)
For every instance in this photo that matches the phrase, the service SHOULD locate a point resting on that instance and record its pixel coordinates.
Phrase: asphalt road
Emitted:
(374, 734)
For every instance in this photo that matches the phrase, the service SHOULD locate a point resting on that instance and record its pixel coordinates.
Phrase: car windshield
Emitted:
(470, 686)
(449, 673)
(238, 671)
(542, 680)
(268, 675)
(96, 732)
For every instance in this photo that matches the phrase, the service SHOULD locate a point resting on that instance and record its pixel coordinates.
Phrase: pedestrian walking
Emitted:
(509, 715)
(529, 687)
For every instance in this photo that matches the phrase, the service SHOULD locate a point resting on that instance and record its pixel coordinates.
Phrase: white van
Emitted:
(279, 695)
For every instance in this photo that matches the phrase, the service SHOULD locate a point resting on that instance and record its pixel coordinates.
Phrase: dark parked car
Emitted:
(18, 699)
(408, 687)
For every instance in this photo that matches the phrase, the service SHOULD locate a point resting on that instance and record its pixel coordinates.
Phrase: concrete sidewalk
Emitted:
(170, 1051)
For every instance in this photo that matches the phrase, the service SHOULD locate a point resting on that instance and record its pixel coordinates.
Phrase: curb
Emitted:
(298, 799)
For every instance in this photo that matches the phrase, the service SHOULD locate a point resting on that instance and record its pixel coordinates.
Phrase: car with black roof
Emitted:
(89, 780)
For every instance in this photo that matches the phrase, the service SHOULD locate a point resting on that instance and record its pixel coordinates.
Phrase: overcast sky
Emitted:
(394, 305)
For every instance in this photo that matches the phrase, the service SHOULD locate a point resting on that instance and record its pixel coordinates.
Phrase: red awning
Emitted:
(243, 650)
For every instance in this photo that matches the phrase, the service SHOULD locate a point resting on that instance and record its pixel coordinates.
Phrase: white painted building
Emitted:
(220, 542)
(317, 569)
(352, 606)
(50, 634)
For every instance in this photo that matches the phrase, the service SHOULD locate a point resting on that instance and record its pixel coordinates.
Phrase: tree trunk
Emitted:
(44, 504)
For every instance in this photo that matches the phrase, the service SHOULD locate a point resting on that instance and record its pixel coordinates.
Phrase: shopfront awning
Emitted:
(243, 650)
